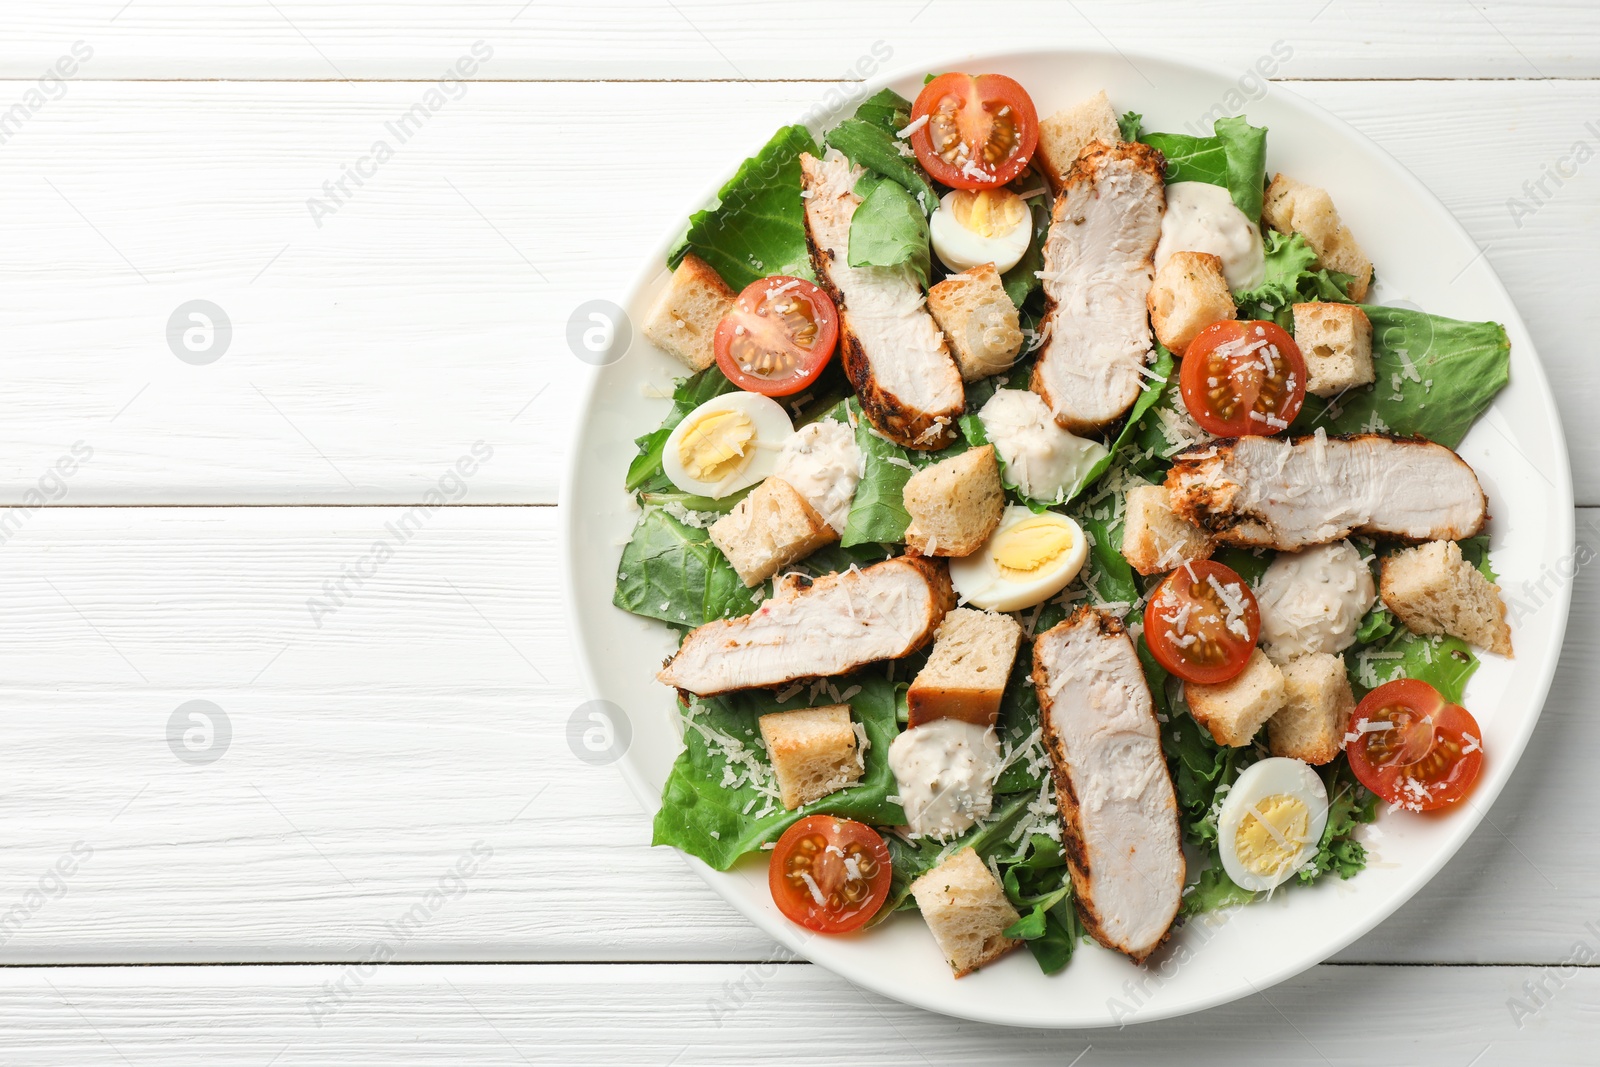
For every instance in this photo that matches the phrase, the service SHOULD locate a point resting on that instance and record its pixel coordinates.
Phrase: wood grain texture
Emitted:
(689, 1015)
(428, 311)
(726, 39)
(428, 714)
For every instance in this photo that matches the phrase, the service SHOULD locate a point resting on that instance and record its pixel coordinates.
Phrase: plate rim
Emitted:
(788, 935)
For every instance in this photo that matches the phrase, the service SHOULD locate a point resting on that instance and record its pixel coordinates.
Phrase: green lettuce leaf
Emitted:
(888, 229)
(1022, 280)
(1234, 157)
(1349, 805)
(757, 226)
(645, 474)
(1290, 280)
(674, 573)
(1213, 890)
(878, 512)
(868, 139)
(703, 805)
(1435, 376)
(1129, 125)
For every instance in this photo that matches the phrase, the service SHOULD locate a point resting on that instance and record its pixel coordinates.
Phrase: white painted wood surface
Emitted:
(426, 716)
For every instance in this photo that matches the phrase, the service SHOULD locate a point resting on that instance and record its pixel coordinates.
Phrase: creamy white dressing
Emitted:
(945, 771)
(1312, 601)
(823, 464)
(1041, 458)
(1201, 217)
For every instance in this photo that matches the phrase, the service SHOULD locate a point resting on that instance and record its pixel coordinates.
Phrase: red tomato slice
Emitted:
(1429, 755)
(829, 875)
(1242, 378)
(778, 337)
(981, 131)
(1202, 622)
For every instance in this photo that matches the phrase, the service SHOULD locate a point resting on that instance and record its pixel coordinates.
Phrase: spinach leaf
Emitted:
(1132, 428)
(1435, 377)
(888, 229)
(1290, 280)
(1022, 280)
(720, 799)
(645, 473)
(1234, 157)
(878, 512)
(885, 109)
(757, 225)
(868, 138)
(674, 573)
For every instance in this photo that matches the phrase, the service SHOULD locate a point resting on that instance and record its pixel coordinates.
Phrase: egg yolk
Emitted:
(1031, 546)
(717, 445)
(1272, 833)
(988, 212)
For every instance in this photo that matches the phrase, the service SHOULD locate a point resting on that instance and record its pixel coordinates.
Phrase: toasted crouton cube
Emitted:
(683, 322)
(966, 673)
(979, 321)
(1433, 589)
(813, 752)
(967, 910)
(1189, 293)
(1317, 703)
(1293, 207)
(1336, 341)
(1235, 710)
(1154, 537)
(770, 529)
(955, 504)
(1065, 134)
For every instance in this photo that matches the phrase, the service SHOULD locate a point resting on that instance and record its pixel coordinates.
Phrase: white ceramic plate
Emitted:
(1424, 258)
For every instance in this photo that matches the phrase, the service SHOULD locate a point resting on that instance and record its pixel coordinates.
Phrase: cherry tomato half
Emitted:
(981, 130)
(1413, 748)
(1243, 378)
(778, 337)
(1202, 622)
(829, 875)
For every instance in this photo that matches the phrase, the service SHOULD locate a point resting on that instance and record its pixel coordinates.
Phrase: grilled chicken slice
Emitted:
(838, 623)
(1263, 491)
(1118, 810)
(1098, 263)
(893, 353)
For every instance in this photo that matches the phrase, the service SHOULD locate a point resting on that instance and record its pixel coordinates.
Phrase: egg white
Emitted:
(773, 429)
(1266, 778)
(960, 249)
(979, 582)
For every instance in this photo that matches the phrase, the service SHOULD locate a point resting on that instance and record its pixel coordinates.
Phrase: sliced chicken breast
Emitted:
(838, 623)
(1098, 260)
(893, 353)
(1118, 810)
(1290, 494)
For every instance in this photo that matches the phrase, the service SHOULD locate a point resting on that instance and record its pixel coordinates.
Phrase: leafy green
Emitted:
(1131, 429)
(645, 474)
(1475, 550)
(703, 805)
(691, 502)
(1375, 627)
(913, 858)
(1435, 376)
(1040, 887)
(1022, 280)
(888, 229)
(1129, 124)
(1214, 890)
(868, 139)
(674, 573)
(1290, 280)
(1234, 157)
(1349, 805)
(757, 225)
(878, 512)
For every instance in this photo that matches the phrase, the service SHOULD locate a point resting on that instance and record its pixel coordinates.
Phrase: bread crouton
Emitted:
(769, 529)
(966, 673)
(1189, 293)
(1065, 134)
(683, 322)
(1154, 537)
(955, 504)
(1317, 703)
(1433, 589)
(1293, 207)
(978, 320)
(1234, 711)
(813, 752)
(967, 910)
(1336, 342)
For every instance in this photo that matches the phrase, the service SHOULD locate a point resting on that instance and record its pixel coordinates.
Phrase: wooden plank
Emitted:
(428, 311)
(723, 39)
(428, 715)
(710, 1014)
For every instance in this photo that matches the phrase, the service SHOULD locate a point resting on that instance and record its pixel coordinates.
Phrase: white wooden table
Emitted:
(424, 720)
